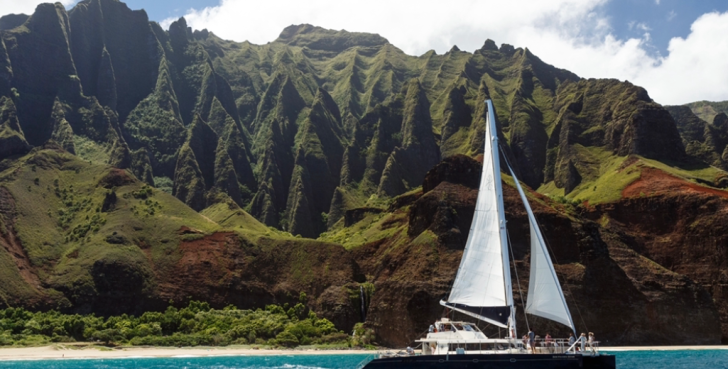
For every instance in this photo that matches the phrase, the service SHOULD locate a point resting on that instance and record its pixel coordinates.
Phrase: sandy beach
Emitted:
(88, 351)
(81, 351)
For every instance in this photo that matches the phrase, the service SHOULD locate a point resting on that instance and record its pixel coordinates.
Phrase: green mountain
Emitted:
(139, 166)
(707, 110)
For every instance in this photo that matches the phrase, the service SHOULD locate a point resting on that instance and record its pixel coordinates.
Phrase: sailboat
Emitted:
(482, 290)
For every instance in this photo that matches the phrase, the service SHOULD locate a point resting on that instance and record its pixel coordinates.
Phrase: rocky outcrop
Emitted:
(226, 179)
(704, 142)
(322, 39)
(12, 139)
(317, 168)
(628, 307)
(40, 78)
(116, 53)
(141, 166)
(155, 124)
(189, 182)
(6, 70)
(457, 115)
(62, 130)
(628, 124)
(417, 151)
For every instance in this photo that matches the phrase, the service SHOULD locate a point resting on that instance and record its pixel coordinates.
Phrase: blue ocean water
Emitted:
(679, 359)
(219, 362)
(684, 359)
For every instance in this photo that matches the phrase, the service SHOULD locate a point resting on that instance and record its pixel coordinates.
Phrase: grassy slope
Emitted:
(373, 228)
(64, 231)
(707, 110)
(606, 177)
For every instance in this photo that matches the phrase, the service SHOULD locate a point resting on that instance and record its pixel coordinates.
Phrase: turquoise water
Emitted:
(688, 359)
(224, 362)
(682, 359)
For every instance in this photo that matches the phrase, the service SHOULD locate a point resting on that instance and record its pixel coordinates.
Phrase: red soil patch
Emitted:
(116, 178)
(202, 262)
(10, 241)
(211, 251)
(654, 181)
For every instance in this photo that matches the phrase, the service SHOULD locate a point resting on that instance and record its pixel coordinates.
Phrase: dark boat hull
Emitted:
(496, 361)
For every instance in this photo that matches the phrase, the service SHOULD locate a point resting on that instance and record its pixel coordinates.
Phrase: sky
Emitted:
(676, 49)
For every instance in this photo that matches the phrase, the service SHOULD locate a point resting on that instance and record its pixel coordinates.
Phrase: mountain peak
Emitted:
(327, 40)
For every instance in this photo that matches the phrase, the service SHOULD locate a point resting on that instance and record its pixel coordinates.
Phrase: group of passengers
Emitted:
(530, 338)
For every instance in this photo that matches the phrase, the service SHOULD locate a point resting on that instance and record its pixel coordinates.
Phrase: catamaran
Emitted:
(482, 290)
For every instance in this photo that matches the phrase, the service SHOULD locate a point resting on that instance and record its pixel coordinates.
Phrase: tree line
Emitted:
(194, 325)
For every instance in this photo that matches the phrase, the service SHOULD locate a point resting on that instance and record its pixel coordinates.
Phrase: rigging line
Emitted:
(518, 280)
(548, 245)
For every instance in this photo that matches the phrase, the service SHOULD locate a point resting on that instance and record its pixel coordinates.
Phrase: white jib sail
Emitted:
(545, 297)
(480, 281)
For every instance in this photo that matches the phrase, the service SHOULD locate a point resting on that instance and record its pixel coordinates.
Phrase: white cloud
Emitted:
(414, 26)
(28, 6)
(671, 15)
(570, 34)
(657, 2)
(696, 67)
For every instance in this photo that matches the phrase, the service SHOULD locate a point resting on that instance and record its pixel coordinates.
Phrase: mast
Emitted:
(482, 286)
(493, 136)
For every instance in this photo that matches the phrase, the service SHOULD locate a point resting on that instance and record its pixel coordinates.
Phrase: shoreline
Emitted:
(89, 351)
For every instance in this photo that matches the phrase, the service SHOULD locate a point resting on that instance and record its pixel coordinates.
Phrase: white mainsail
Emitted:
(545, 297)
(482, 286)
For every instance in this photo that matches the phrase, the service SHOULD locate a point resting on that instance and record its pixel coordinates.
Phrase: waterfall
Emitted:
(363, 310)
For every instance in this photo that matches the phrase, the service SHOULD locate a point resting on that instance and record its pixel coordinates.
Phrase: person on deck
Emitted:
(532, 340)
(432, 328)
(591, 341)
(582, 341)
(572, 339)
(549, 341)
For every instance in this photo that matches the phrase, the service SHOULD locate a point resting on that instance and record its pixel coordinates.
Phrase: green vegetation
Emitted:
(609, 175)
(194, 325)
(164, 184)
(707, 110)
(90, 150)
(374, 227)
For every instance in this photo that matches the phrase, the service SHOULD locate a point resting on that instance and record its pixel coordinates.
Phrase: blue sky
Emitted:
(665, 19)
(159, 10)
(676, 49)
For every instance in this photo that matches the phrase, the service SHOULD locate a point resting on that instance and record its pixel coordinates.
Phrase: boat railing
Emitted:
(561, 346)
(464, 346)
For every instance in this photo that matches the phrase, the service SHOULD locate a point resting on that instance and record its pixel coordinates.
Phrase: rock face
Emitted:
(339, 107)
(629, 306)
(703, 141)
(629, 124)
(12, 139)
(418, 152)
